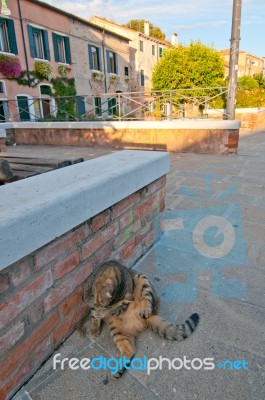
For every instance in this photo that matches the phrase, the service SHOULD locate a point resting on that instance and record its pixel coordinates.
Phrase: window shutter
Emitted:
(67, 50)
(55, 47)
(31, 42)
(99, 58)
(12, 36)
(46, 45)
(80, 106)
(108, 62)
(116, 63)
(90, 57)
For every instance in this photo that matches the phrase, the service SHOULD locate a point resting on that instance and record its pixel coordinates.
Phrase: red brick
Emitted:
(66, 265)
(100, 220)
(126, 219)
(128, 248)
(124, 205)
(132, 257)
(71, 302)
(145, 207)
(11, 308)
(11, 337)
(102, 254)
(13, 384)
(143, 233)
(148, 241)
(65, 328)
(24, 349)
(4, 283)
(43, 350)
(127, 233)
(59, 246)
(64, 289)
(100, 239)
(21, 273)
(156, 185)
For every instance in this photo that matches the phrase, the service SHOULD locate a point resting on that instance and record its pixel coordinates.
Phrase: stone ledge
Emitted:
(159, 125)
(36, 210)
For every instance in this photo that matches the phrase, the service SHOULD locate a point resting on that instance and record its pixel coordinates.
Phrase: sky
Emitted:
(206, 20)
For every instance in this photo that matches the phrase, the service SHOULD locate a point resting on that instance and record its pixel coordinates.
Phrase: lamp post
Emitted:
(233, 60)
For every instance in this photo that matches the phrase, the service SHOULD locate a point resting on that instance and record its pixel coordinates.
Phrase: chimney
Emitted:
(147, 28)
(174, 39)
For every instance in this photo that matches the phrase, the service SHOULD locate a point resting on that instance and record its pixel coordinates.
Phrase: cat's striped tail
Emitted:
(173, 332)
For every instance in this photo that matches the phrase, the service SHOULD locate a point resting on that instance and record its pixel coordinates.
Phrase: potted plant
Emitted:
(43, 69)
(10, 66)
(97, 75)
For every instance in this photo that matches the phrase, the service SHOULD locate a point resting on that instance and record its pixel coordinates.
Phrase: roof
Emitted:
(84, 21)
(125, 28)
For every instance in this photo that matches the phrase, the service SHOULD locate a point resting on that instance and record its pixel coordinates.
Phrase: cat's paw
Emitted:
(93, 333)
(146, 312)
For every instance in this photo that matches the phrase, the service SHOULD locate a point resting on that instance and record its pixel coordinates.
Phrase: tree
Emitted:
(192, 66)
(138, 25)
(247, 82)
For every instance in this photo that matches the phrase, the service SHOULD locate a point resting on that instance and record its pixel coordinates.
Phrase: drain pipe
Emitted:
(23, 40)
(103, 59)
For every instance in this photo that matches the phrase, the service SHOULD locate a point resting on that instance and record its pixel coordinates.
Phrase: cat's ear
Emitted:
(109, 288)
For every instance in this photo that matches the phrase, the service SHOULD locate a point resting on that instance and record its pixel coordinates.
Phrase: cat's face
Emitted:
(103, 293)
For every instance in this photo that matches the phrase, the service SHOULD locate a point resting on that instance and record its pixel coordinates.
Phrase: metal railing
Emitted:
(152, 105)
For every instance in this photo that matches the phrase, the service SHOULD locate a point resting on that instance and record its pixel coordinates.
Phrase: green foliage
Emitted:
(260, 79)
(193, 66)
(250, 98)
(247, 82)
(43, 70)
(64, 90)
(138, 25)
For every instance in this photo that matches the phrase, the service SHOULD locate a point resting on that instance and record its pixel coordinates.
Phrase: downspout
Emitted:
(23, 40)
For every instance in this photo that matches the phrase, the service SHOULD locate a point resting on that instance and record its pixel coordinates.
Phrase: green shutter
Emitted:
(46, 45)
(116, 63)
(55, 46)
(108, 62)
(12, 36)
(67, 50)
(31, 41)
(99, 58)
(90, 57)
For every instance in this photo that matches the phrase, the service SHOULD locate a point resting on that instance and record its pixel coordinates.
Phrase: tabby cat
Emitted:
(129, 304)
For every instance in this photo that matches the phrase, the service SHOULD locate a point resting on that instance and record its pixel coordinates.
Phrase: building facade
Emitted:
(46, 52)
(248, 64)
(145, 52)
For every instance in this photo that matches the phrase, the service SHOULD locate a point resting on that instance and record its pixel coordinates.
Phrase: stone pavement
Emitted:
(231, 328)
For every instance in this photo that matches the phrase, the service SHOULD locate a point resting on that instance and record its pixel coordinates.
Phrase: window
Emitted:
(61, 46)
(94, 58)
(141, 45)
(98, 106)
(39, 43)
(4, 111)
(142, 77)
(8, 42)
(2, 88)
(112, 106)
(160, 51)
(112, 62)
(153, 50)
(126, 71)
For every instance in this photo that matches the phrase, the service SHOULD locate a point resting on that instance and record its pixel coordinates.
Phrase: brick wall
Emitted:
(42, 295)
(212, 141)
(2, 144)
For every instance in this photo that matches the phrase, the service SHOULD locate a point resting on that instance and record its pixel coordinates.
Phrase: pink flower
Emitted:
(10, 67)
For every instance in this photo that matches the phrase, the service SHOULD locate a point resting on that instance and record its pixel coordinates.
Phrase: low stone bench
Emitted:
(54, 228)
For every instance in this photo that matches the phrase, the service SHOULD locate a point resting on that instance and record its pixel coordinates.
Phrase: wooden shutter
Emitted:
(108, 62)
(46, 45)
(90, 57)
(55, 47)
(31, 41)
(12, 36)
(67, 50)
